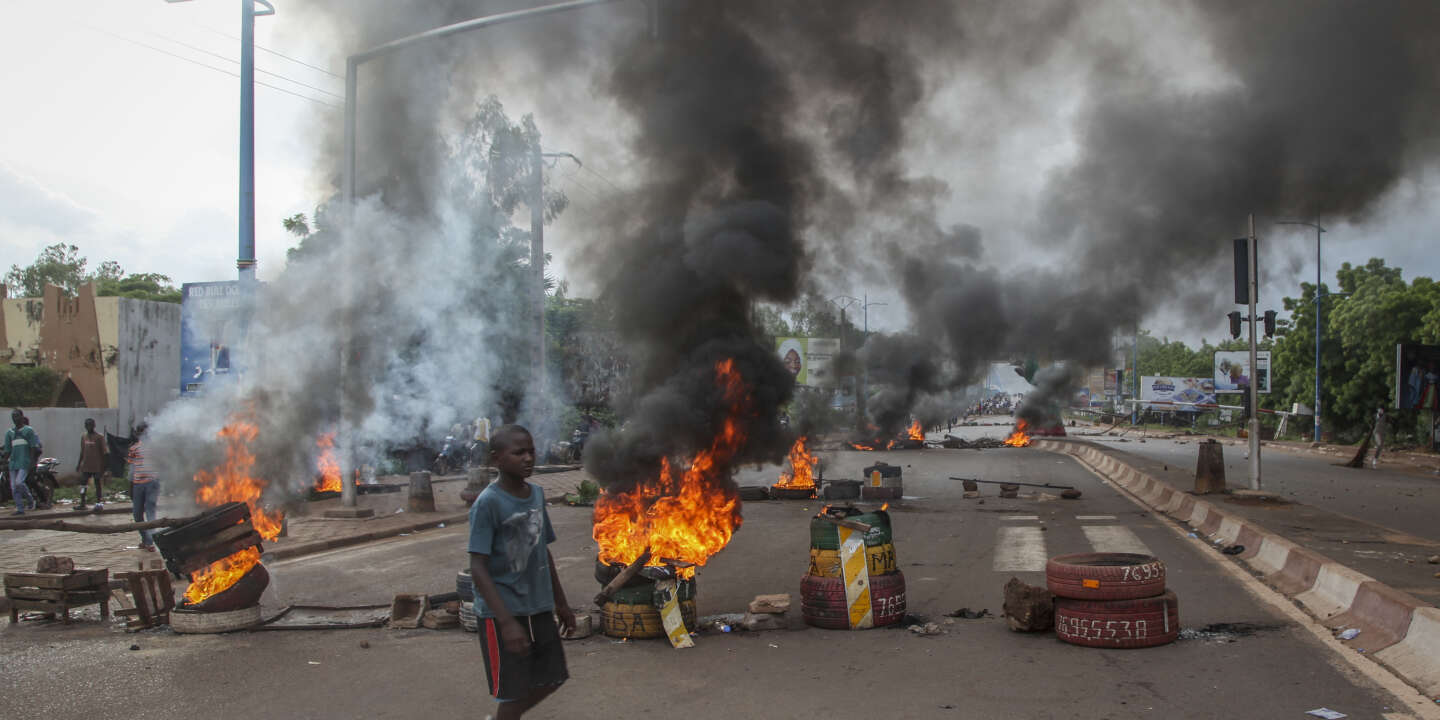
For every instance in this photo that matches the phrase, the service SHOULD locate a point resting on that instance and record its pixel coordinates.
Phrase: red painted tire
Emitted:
(822, 601)
(1137, 623)
(1105, 576)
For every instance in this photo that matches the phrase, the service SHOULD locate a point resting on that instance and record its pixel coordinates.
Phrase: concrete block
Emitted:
(1334, 591)
(777, 603)
(440, 620)
(408, 609)
(1382, 613)
(1272, 556)
(1417, 657)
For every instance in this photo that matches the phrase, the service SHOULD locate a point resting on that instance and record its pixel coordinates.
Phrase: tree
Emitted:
(27, 386)
(140, 286)
(58, 264)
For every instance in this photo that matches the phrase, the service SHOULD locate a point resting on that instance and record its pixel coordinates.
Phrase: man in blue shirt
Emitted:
(22, 446)
(517, 593)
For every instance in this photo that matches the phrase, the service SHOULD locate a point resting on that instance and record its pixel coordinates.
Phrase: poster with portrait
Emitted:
(214, 322)
(809, 360)
(1417, 377)
(1232, 371)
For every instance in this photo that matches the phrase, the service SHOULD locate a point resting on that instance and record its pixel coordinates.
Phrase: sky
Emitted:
(122, 138)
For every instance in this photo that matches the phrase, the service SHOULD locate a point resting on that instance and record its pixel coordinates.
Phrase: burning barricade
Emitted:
(799, 482)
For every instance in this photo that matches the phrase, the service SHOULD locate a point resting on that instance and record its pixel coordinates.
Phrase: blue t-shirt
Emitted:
(22, 444)
(514, 532)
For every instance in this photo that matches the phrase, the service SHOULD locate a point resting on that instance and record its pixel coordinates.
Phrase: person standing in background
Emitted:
(144, 487)
(22, 446)
(91, 465)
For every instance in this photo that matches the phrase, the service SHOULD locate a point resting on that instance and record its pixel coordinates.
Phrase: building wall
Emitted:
(20, 330)
(148, 361)
(59, 430)
(70, 342)
(107, 319)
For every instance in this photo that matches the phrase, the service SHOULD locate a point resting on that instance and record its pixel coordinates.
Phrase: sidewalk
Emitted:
(308, 531)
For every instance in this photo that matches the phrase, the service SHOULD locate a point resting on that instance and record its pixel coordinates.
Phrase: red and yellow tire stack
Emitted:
(1113, 600)
(852, 582)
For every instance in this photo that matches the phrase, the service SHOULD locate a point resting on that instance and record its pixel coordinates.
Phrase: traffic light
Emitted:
(1269, 323)
(1234, 323)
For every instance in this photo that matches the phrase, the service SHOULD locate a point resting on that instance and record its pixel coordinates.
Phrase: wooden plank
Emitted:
(229, 534)
(33, 593)
(219, 552)
(39, 580)
(87, 578)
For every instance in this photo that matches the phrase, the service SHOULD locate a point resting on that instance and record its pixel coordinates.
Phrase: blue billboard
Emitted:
(214, 323)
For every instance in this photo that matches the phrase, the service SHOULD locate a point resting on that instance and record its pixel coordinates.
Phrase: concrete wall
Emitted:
(60, 430)
(20, 321)
(148, 358)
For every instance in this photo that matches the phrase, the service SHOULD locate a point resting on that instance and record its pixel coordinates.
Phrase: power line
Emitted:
(227, 58)
(212, 67)
(274, 52)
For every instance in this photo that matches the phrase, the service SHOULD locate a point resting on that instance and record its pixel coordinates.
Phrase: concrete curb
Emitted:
(1397, 629)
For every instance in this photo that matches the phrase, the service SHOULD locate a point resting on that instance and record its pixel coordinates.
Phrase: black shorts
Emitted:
(513, 677)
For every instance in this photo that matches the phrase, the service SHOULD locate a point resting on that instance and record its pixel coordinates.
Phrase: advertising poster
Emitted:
(1112, 382)
(1417, 377)
(1160, 389)
(810, 360)
(214, 320)
(1232, 371)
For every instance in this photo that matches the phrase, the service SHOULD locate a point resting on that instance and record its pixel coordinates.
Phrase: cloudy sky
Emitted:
(122, 124)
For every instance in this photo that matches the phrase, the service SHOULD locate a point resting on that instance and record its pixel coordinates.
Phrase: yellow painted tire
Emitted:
(641, 621)
(826, 563)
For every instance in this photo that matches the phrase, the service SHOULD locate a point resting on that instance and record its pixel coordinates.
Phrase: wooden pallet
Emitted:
(57, 593)
(150, 598)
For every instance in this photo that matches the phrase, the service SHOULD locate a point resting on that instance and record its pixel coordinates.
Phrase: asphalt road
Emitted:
(947, 547)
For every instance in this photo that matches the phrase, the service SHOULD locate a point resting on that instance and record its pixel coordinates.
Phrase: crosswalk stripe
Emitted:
(1022, 517)
(1083, 518)
(1020, 549)
(1114, 538)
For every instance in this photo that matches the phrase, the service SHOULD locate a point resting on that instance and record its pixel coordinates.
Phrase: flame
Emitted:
(232, 482)
(916, 432)
(327, 466)
(686, 515)
(221, 574)
(803, 465)
(859, 446)
(885, 507)
(1019, 438)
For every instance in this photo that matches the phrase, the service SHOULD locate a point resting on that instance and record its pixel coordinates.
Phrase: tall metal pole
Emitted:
(537, 260)
(1253, 424)
(245, 259)
(1319, 306)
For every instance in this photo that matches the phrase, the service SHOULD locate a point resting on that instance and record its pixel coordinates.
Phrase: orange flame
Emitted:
(916, 432)
(803, 465)
(327, 465)
(221, 574)
(859, 446)
(686, 515)
(885, 507)
(1019, 438)
(232, 482)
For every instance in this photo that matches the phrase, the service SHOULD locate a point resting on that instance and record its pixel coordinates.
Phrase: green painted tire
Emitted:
(642, 594)
(823, 535)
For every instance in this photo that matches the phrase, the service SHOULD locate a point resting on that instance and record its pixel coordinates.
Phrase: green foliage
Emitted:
(27, 386)
(61, 265)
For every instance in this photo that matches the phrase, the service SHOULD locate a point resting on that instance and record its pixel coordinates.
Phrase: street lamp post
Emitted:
(245, 260)
(1318, 306)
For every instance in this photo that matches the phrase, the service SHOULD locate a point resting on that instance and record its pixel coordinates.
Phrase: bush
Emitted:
(22, 386)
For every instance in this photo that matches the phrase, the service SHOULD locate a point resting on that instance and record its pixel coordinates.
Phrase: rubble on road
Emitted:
(55, 564)
(778, 603)
(440, 620)
(1028, 608)
(755, 622)
(927, 629)
(966, 613)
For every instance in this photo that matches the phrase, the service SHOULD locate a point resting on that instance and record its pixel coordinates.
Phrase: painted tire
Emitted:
(822, 601)
(1105, 576)
(641, 621)
(644, 594)
(467, 617)
(1137, 623)
(823, 535)
(605, 572)
(880, 560)
(465, 586)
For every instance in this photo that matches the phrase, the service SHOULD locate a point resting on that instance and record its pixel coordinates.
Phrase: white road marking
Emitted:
(1022, 517)
(1114, 538)
(1020, 549)
(1083, 518)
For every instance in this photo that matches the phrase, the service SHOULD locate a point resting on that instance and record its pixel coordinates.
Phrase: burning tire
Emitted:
(1105, 576)
(822, 601)
(644, 594)
(879, 560)
(1137, 623)
(638, 622)
(605, 572)
(823, 535)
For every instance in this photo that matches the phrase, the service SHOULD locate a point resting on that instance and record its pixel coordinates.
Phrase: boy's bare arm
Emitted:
(516, 639)
(562, 606)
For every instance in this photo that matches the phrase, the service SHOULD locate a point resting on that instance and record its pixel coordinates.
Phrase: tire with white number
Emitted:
(822, 601)
(1137, 623)
(1105, 576)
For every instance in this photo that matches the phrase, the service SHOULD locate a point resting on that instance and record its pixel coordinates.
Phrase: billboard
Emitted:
(1417, 377)
(1232, 371)
(810, 360)
(1112, 382)
(1161, 389)
(214, 320)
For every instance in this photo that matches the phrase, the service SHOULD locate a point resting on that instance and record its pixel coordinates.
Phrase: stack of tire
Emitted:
(1112, 600)
(822, 590)
(633, 611)
(466, 588)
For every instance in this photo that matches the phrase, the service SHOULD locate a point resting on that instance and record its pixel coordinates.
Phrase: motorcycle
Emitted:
(42, 484)
(453, 457)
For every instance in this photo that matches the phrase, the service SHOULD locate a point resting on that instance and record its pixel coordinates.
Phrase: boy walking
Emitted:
(22, 446)
(144, 488)
(517, 593)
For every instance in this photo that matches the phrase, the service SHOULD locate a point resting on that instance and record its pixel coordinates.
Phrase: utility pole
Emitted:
(1319, 297)
(1253, 422)
(245, 262)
